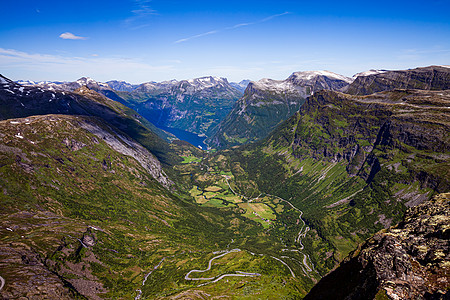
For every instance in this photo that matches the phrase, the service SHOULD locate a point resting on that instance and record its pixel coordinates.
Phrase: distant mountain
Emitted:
(426, 78)
(367, 73)
(194, 105)
(122, 86)
(407, 261)
(18, 101)
(268, 102)
(240, 86)
(67, 86)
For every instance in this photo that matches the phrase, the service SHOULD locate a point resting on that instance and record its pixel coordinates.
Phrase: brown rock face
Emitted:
(428, 78)
(408, 261)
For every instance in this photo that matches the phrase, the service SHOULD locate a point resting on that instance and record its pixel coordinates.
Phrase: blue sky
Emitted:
(139, 40)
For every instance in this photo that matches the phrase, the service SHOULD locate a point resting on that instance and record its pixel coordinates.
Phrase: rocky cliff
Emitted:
(427, 78)
(351, 129)
(407, 261)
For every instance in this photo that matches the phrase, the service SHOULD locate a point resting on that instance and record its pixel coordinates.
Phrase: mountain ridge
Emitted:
(268, 102)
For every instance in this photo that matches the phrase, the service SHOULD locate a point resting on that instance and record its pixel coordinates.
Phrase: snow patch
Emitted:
(276, 85)
(368, 73)
(308, 75)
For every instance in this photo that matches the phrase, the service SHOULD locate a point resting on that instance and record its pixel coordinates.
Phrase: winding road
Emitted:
(215, 279)
(300, 235)
(303, 231)
(2, 283)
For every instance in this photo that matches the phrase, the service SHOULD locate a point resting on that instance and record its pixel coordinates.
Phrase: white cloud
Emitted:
(34, 66)
(71, 36)
(231, 27)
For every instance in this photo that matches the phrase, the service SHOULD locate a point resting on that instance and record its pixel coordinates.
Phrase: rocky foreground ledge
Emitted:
(408, 261)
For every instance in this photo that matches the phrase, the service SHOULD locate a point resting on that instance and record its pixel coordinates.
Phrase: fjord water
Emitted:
(187, 136)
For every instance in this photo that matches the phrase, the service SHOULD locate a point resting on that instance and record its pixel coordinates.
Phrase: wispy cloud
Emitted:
(71, 36)
(38, 66)
(196, 36)
(229, 28)
(140, 14)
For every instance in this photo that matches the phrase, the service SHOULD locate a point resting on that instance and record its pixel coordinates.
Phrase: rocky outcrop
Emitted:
(408, 261)
(126, 146)
(428, 78)
(357, 129)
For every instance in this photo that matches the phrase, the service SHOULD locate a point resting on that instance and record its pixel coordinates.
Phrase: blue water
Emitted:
(187, 136)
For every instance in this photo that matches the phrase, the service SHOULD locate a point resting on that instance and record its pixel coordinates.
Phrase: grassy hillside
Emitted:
(82, 216)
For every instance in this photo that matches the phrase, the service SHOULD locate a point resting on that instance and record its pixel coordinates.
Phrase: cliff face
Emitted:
(408, 261)
(428, 78)
(364, 131)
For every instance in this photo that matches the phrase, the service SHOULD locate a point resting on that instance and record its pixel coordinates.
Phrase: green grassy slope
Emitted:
(82, 220)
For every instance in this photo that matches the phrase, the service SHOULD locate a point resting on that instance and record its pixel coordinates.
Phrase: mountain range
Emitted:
(266, 103)
(323, 187)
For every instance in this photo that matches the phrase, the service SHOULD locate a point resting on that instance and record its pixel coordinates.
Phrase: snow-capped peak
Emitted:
(26, 82)
(274, 85)
(3, 80)
(85, 80)
(308, 75)
(207, 82)
(90, 81)
(368, 73)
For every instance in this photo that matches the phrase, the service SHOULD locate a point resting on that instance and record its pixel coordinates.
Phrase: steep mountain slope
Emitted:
(408, 261)
(84, 212)
(87, 212)
(352, 164)
(22, 101)
(194, 105)
(427, 78)
(240, 86)
(268, 102)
